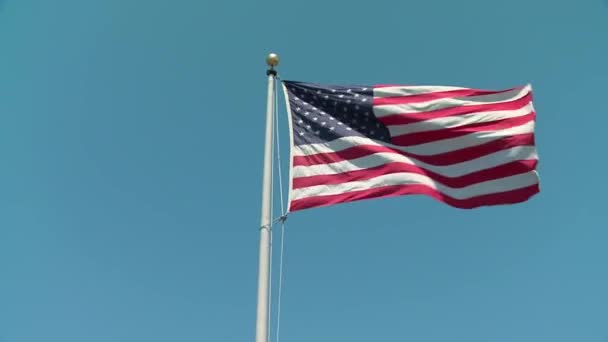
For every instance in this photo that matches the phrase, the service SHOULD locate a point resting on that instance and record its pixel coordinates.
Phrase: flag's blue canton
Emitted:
(324, 113)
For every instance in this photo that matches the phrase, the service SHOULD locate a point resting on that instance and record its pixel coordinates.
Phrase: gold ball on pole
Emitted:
(272, 60)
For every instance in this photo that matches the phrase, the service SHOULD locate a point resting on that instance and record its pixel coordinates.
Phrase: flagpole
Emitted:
(261, 329)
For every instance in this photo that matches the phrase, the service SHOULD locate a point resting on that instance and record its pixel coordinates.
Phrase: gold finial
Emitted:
(272, 60)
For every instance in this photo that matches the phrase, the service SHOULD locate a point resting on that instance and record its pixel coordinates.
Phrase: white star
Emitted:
(300, 121)
(317, 132)
(341, 95)
(331, 118)
(356, 95)
(347, 101)
(348, 90)
(301, 133)
(318, 92)
(332, 128)
(306, 113)
(323, 123)
(298, 109)
(307, 126)
(364, 89)
(340, 123)
(315, 119)
(349, 129)
(333, 90)
(363, 100)
(326, 96)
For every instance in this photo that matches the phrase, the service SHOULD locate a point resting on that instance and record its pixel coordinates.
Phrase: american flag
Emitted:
(464, 147)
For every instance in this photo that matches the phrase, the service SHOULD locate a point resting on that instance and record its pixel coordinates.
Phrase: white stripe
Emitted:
(469, 140)
(460, 120)
(337, 145)
(433, 148)
(479, 189)
(453, 170)
(411, 90)
(432, 105)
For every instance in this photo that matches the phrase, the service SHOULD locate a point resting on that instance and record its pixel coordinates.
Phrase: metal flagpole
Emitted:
(261, 329)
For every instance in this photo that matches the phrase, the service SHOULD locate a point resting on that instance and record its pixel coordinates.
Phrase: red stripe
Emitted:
(458, 131)
(407, 118)
(501, 171)
(507, 197)
(415, 98)
(447, 158)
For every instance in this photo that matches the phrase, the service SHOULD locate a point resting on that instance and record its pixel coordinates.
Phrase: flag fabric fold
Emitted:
(464, 147)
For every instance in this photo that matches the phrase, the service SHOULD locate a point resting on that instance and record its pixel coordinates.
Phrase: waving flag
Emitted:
(465, 147)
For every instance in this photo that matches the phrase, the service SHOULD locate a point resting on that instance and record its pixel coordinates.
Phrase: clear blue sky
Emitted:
(131, 140)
